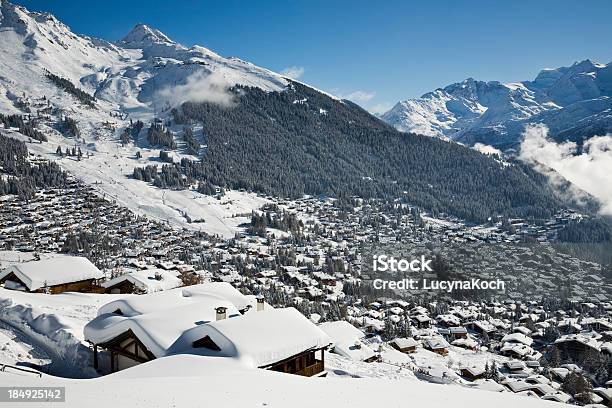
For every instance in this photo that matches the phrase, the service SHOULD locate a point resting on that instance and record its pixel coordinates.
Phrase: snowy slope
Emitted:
(573, 101)
(43, 329)
(140, 77)
(123, 76)
(192, 381)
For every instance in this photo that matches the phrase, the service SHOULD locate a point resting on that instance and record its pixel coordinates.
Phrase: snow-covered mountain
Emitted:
(126, 76)
(51, 74)
(137, 78)
(574, 102)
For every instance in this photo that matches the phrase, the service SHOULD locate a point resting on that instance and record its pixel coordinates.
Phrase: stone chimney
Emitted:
(260, 303)
(221, 312)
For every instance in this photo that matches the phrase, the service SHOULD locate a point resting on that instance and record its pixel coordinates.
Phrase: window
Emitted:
(206, 342)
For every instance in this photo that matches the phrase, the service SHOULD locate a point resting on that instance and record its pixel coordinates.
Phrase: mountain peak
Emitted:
(144, 36)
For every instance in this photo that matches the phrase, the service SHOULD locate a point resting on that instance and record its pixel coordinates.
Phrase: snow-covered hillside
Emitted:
(46, 333)
(127, 77)
(193, 381)
(574, 102)
(139, 78)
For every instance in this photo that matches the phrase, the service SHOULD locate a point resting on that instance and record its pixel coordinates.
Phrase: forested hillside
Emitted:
(301, 141)
(20, 177)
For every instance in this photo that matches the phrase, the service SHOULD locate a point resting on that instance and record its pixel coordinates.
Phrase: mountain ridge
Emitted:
(575, 102)
(48, 71)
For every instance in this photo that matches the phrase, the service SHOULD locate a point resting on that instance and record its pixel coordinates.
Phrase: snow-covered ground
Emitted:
(192, 381)
(138, 78)
(51, 327)
(109, 168)
(46, 331)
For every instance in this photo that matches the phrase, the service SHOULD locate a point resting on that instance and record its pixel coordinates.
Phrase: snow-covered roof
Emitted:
(468, 343)
(517, 338)
(257, 338)
(436, 343)
(345, 339)
(221, 291)
(580, 338)
(341, 331)
(159, 329)
(475, 371)
(356, 351)
(150, 280)
(55, 271)
(169, 322)
(404, 343)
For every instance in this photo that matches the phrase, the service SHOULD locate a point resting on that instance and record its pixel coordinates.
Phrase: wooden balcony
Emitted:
(312, 369)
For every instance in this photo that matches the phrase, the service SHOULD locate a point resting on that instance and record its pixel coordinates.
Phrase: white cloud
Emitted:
(358, 96)
(198, 87)
(590, 170)
(486, 149)
(293, 72)
(381, 108)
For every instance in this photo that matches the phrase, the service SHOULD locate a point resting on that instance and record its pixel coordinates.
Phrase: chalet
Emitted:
(459, 332)
(347, 341)
(599, 325)
(211, 319)
(421, 321)
(473, 373)
(437, 344)
(143, 281)
(515, 366)
(480, 327)
(55, 275)
(466, 343)
(576, 345)
(405, 345)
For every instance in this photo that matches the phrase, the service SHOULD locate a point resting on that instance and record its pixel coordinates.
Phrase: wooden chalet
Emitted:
(55, 275)
(405, 345)
(210, 320)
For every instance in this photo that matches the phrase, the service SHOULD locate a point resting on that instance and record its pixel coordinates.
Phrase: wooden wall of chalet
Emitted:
(122, 287)
(305, 364)
(125, 350)
(81, 286)
(87, 285)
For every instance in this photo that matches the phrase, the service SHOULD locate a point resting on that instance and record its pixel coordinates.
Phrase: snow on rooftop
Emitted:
(258, 338)
(346, 340)
(517, 338)
(150, 280)
(55, 271)
(220, 291)
(404, 343)
(341, 331)
(157, 330)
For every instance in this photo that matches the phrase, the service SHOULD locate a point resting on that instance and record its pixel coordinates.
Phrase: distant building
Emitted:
(405, 345)
(145, 281)
(347, 341)
(55, 275)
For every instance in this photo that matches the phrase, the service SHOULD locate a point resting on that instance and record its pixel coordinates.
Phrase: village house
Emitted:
(405, 345)
(347, 341)
(143, 281)
(54, 275)
(436, 344)
(473, 373)
(211, 319)
(577, 345)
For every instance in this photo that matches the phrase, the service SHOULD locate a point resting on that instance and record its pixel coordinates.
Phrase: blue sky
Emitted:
(375, 53)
